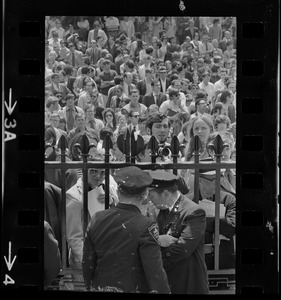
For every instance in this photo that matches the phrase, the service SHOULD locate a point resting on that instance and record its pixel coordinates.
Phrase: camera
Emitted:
(163, 151)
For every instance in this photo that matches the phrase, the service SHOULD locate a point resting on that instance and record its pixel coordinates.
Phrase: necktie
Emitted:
(95, 34)
(70, 119)
(206, 44)
(156, 99)
(73, 59)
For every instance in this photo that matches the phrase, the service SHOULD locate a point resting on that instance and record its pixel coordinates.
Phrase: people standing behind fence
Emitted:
(182, 225)
(74, 208)
(81, 127)
(141, 272)
(157, 125)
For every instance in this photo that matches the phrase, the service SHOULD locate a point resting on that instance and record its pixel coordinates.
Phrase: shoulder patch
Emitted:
(154, 232)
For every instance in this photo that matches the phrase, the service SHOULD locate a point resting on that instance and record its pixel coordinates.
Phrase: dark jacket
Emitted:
(52, 203)
(189, 33)
(121, 251)
(52, 257)
(184, 261)
(147, 100)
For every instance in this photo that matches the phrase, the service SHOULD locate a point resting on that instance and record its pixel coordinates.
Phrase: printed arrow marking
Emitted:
(9, 107)
(9, 263)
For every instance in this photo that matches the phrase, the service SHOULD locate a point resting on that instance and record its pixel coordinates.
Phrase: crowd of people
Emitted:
(154, 76)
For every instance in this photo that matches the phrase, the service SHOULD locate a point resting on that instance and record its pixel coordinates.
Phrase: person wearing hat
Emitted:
(182, 225)
(121, 250)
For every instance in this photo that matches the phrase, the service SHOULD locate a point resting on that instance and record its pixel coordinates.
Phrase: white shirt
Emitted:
(209, 89)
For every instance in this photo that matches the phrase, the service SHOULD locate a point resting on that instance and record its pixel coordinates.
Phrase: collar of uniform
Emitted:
(127, 206)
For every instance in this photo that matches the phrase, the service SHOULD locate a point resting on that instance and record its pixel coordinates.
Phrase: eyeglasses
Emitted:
(108, 116)
(136, 116)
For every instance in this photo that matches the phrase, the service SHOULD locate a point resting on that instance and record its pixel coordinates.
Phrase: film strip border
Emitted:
(257, 176)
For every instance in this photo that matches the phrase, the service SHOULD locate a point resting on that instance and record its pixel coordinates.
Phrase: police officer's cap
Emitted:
(132, 180)
(163, 179)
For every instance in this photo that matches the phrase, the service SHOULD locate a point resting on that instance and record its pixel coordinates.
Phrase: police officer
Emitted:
(121, 251)
(182, 225)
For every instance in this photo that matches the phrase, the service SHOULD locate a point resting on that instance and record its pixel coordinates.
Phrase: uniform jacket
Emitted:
(184, 261)
(121, 251)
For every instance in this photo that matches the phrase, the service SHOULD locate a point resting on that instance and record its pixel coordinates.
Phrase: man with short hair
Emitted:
(74, 208)
(155, 97)
(74, 57)
(93, 52)
(51, 105)
(54, 40)
(80, 121)
(145, 65)
(144, 86)
(173, 105)
(55, 124)
(69, 112)
(91, 121)
(107, 80)
(208, 87)
(127, 83)
(58, 29)
(182, 225)
(56, 87)
(132, 249)
(94, 33)
(134, 104)
(220, 85)
(86, 97)
(163, 79)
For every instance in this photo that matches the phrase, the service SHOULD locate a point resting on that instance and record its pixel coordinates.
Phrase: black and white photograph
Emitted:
(140, 152)
(143, 91)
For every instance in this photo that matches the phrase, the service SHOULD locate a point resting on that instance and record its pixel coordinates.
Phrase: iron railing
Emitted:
(130, 146)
